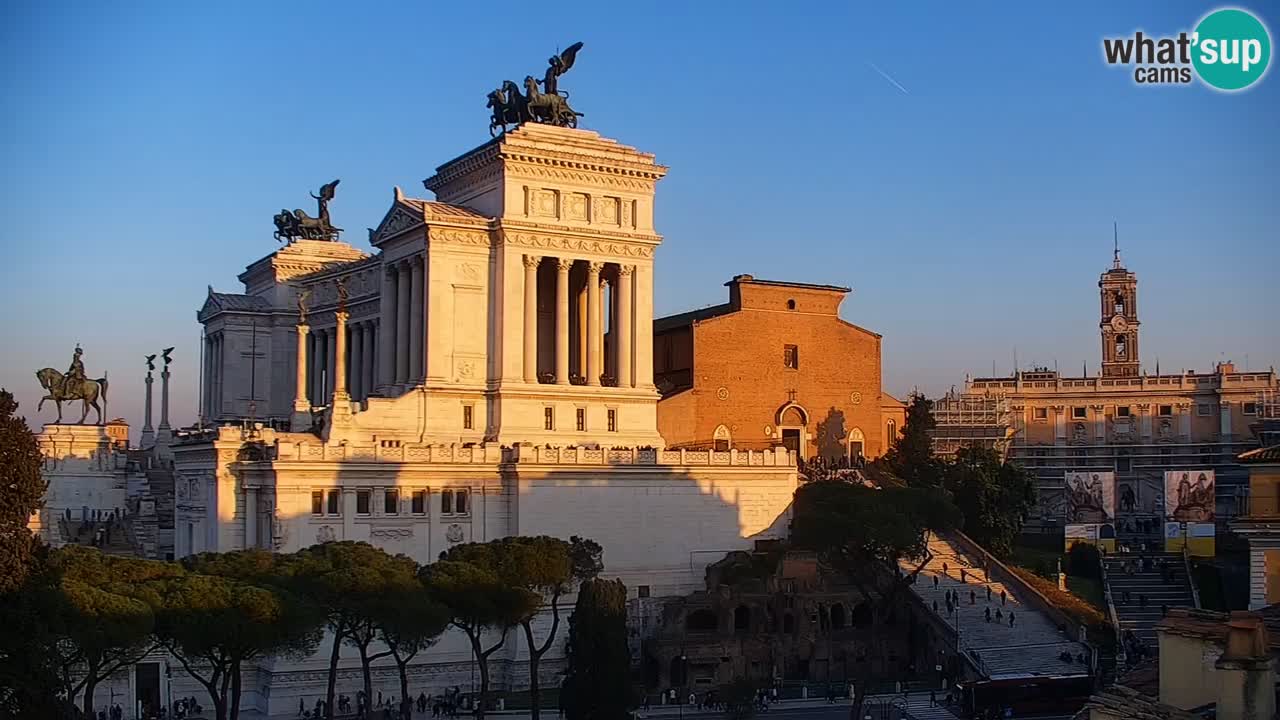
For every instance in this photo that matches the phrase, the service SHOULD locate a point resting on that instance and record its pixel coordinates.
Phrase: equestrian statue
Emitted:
(74, 385)
(298, 224)
(549, 106)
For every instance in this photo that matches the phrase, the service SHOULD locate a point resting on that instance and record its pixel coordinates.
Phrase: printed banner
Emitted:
(1189, 495)
(1091, 497)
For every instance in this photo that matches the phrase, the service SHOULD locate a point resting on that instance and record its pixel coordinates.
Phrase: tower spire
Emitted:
(1115, 234)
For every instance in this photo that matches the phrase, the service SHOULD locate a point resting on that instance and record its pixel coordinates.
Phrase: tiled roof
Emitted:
(688, 318)
(1119, 701)
(1261, 455)
(238, 302)
(443, 211)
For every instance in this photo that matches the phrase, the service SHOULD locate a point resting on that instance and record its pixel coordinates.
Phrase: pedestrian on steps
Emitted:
(1003, 597)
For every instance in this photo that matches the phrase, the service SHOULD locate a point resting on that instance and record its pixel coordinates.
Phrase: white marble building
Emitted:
(489, 373)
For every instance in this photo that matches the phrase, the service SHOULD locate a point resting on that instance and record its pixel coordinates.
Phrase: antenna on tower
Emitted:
(1115, 234)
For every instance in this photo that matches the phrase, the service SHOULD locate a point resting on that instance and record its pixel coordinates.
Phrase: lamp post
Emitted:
(684, 680)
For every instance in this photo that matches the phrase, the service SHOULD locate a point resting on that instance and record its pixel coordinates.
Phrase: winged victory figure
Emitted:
(558, 65)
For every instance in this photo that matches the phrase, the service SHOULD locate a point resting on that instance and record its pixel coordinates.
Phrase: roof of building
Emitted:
(1211, 625)
(688, 318)
(1119, 701)
(238, 302)
(432, 210)
(1260, 455)
(1143, 677)
(752, 280)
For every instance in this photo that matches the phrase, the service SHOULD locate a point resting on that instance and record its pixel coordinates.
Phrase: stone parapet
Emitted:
(396, 452)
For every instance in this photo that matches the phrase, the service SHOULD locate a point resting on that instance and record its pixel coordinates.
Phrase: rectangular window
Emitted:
(460, 502)
(613, 420)
(317, 502)
(1041, 413)
(1122, 463)
(791, 357)
(362, 502)
(419, 502)
(1166, 411)
(1122, 411)
(548, 418)
(1204, 410)
(642, 591)
(1249, 408)
(391, 502)
(467, 421)
(1080, 413)
(581, 419)
(446, 502)
(333, 499)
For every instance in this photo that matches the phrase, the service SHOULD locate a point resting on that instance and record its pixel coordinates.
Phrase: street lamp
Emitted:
(684, 680)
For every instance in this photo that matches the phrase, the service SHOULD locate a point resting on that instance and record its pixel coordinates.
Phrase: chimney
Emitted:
(1248, 679)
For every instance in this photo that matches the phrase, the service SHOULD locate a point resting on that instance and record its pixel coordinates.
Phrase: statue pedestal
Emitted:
(301, 420)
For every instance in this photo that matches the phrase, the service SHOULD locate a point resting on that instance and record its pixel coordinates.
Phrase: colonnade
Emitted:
(401, 342)
(593, 360)
(321, 360)
(213, 374)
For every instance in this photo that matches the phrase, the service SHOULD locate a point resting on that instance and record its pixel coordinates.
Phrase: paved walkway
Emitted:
(1031, 643)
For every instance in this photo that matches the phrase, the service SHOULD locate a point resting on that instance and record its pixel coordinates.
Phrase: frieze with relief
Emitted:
(548, 242)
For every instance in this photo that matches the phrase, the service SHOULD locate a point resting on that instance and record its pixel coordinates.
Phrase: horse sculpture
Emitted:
(550, 108)
(87, 393)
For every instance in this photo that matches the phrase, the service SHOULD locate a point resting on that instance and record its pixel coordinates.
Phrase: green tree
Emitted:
(228, 610)
(378, 587)
(471, 583)
(994, 496)
(596, 686)
(863, 533)
(29, 680)
(911, 456)
(21, 494)
(408, 623)
(341, 578)
(102, 615)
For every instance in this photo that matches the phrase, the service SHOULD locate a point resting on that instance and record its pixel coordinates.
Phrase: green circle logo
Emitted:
(1232, 49)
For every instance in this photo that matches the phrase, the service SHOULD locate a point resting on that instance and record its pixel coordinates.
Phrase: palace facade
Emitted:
(1123, 420)
(485, 372)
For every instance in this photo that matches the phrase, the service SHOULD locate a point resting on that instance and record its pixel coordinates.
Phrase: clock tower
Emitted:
(1118, 291)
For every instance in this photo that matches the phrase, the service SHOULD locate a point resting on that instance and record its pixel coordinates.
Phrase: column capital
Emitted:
(563, 264)
(626, 270)
(304, 328)
(532, 261)
(595, 267)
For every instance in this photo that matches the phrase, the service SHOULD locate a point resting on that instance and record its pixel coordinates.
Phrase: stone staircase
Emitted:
(115, 542)
(1141, 591)
(1033, 644)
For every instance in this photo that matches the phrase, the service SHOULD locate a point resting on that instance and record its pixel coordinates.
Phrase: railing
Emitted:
(1191, 580)
(284, 451)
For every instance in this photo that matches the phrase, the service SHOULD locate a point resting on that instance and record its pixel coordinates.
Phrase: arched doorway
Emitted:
(722, 440)
(792, 421)
(857, 445)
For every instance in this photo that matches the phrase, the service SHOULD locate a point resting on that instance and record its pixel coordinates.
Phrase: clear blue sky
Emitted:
(146, 146)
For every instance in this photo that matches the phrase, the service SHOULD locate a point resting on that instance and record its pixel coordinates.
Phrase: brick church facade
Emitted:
(776, 365)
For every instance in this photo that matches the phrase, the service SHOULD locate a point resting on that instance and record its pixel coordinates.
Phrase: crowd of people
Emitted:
(445, 705)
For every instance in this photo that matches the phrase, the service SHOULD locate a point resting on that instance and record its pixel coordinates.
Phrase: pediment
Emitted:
(402, 216)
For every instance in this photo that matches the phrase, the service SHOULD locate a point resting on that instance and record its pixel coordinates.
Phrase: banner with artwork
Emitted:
(1190, 511)
(1103, 535)
(1090, 497)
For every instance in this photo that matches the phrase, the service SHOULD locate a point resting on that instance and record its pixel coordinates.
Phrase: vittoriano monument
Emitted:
(549, 105)
(73, 386)
(297, 224)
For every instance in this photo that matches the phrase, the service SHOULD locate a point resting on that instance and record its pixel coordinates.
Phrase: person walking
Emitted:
(1003, 597)
(1010, 618)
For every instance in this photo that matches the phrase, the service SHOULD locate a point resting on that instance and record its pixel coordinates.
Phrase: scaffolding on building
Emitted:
(968, 419)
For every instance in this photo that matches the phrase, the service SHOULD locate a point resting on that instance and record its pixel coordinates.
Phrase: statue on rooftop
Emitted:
(550, 105)
(74, 385)
(299, 225)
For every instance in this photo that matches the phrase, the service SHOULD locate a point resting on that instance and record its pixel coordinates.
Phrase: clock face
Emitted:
(1118, 323)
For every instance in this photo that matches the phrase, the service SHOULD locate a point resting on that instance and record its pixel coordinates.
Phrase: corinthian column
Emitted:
(403, 288)
(340, 358)
(416, 321)
(562, 320)
(622, 333)
(301, 418)
(355, 385)
(593, 322)
(531, 318)
(387, 332)
(367, 371)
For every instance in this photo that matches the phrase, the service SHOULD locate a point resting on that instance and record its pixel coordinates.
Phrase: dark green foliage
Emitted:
(993, 495)
(596, 686)
(29, 661)
(911, 457)
(1084, 560)
(859, 529)
(21, 494)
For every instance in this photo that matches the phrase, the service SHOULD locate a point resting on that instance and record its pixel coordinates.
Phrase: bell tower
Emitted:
(1118, 292)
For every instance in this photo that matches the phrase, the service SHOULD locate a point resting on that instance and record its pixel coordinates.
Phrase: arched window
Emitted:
(793, 416)
(1119, 303)
(891, 432)
(791, 304)
(788, 623)
(701, 621)
(742, 619)
(837, 616)
(1120, 346)
(722, 439)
